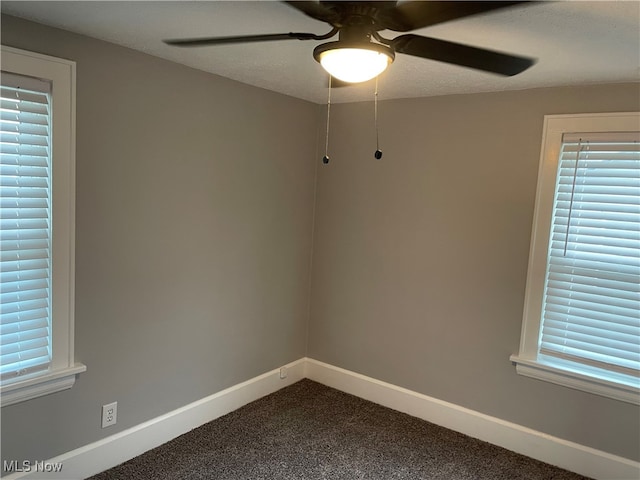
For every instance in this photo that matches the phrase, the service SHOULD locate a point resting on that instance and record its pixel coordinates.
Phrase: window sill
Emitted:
(40, 385)
(565, 374)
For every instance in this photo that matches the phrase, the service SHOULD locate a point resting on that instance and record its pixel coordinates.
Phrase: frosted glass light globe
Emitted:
(354, 64)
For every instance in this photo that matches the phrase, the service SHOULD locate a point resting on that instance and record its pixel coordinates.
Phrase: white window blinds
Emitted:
(25, 234)
(591, 310)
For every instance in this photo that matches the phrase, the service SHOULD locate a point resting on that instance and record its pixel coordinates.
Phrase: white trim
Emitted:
(62, 75)
(553, 129)
(528, 356)
(555, 451)
(575, 379)
(98, 456)
(39, 385)
(111, 451)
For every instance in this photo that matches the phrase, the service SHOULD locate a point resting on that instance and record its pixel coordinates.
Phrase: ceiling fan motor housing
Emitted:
(350, 13)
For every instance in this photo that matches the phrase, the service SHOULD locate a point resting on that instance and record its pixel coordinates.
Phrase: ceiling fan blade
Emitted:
(197, 42)
(458, 54)
(315, 10)
(412, 15)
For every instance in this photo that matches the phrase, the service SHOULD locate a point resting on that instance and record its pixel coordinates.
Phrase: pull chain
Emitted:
(378, 153)
(325, 159)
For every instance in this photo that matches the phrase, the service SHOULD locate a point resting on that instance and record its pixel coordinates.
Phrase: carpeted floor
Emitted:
(308, 431)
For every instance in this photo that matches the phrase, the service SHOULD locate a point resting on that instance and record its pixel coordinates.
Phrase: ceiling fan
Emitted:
(361, 53)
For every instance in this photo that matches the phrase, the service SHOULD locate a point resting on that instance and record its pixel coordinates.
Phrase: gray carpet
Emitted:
(309, 431)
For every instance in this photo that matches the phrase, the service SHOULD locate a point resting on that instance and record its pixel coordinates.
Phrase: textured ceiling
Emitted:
(575, 42)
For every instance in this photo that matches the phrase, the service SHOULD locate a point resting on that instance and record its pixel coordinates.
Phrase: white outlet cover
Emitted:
(109, 414)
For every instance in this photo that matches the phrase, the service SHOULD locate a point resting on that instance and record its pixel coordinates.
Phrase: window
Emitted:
(37, 219)
(581, 323)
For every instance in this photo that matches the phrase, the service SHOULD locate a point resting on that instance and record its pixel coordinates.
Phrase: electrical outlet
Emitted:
(109, 414)
(283, 373)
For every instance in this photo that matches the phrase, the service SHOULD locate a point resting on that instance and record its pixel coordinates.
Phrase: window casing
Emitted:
(581, 322)
(33, 160)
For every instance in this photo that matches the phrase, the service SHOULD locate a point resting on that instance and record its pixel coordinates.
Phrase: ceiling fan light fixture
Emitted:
(353, 63)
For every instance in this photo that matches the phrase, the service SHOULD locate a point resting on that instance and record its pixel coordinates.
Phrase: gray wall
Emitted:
(194, 220)
(420, 259)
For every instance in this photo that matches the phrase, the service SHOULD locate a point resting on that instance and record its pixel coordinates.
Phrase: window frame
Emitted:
(63, 369)
(529, 362)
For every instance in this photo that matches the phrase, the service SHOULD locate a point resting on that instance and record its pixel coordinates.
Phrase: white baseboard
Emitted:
(111, 451)
(555, 451)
